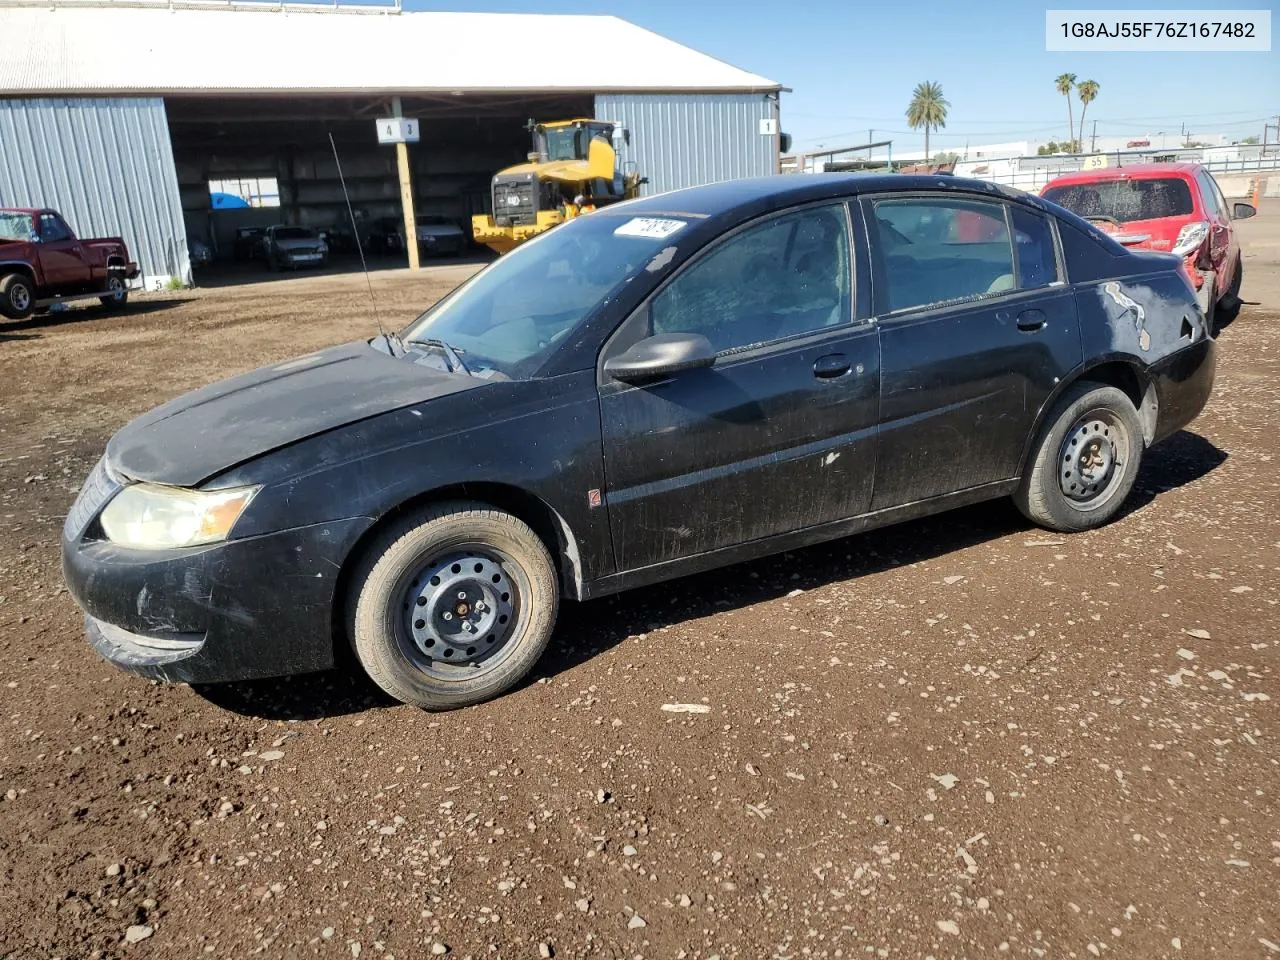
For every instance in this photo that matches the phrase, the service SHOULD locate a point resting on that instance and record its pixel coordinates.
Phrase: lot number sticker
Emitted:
(653, 228)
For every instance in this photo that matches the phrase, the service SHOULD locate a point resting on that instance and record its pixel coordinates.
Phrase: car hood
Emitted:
(203, 433)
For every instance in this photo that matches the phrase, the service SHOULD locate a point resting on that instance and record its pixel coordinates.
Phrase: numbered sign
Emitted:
(397, 130)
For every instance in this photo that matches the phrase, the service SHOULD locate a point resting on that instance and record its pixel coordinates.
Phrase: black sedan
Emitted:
(661, 387)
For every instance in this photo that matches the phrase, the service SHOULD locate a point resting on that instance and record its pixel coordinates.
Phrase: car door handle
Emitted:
(831, 366)
(1031, 319)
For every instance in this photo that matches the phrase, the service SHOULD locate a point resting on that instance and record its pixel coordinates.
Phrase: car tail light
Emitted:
(1190, 238)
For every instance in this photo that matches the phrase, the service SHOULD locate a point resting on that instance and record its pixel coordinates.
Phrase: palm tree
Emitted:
(928, 109)
(1088, 91)
(1064, 83)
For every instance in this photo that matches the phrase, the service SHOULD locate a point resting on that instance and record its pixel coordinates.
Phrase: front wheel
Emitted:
(453, 605)
(117, 293)
(1085, 461)
(17, 297)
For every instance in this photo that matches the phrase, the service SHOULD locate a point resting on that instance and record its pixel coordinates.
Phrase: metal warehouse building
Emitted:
(127, 117)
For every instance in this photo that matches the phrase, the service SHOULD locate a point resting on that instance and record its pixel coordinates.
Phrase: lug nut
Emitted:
(447, 615)
(462, 594)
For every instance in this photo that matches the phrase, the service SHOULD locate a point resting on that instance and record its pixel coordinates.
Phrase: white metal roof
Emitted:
(69, 50)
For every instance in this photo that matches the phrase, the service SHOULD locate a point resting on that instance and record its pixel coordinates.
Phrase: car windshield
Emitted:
(294, 233)
(508, 317)
(16, 226)
(1125, 200)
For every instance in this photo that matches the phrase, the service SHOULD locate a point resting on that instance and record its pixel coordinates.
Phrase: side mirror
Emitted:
(661, 356)
(34, 236)
(1243, 211)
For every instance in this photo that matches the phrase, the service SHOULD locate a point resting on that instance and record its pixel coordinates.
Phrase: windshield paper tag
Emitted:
(652, 227)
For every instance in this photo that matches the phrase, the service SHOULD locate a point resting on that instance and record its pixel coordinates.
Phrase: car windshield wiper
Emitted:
(451, 355)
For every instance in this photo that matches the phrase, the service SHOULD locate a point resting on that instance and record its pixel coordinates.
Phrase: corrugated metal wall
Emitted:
(683, 140)
(106, 165)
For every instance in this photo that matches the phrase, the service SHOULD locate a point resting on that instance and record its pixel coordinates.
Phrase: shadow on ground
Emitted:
(85, 314)
(236, 274)
(587, 629)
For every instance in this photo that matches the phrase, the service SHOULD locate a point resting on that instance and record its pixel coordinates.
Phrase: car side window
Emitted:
(52, 229)
(774, 280)
(937, 250)
(1033, 240)
(1209, 190)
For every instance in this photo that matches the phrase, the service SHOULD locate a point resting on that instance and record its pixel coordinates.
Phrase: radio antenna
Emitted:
(355, 232)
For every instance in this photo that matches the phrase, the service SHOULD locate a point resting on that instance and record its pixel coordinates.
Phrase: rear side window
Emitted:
(940, 250)
(1124, 201)
(1209, 191)
(1037, 258)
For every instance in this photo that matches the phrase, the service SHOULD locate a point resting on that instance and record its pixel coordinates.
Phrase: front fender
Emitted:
(546, 446)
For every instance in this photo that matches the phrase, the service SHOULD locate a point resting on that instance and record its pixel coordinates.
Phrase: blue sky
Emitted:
(852, 66)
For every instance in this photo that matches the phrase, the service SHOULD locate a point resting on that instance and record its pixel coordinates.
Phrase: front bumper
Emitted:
(242, 609)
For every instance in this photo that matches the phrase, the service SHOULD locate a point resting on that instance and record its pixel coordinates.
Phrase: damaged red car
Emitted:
(1171, 207)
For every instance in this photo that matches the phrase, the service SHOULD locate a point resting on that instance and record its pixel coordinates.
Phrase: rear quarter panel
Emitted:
(1152, 321)
(99, 251)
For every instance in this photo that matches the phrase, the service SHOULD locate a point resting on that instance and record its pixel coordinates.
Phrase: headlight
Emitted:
(1190, 237)
(147, 515)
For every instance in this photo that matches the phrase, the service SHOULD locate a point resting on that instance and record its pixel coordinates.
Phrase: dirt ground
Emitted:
(954, 738)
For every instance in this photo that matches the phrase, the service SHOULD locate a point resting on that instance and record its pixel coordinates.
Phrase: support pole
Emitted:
(406, 193)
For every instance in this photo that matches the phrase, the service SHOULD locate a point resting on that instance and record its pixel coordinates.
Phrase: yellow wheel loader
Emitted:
(572, 169)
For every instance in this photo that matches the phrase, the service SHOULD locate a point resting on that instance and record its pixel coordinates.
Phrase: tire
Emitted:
(1228, 307)
(117, 293)
(429, 574)
(17, 296)
(1056, 492)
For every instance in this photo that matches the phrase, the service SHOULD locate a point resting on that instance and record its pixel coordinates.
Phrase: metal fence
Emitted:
(1033, 180)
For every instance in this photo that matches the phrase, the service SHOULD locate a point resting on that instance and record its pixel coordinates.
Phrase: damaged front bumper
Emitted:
(238, 610)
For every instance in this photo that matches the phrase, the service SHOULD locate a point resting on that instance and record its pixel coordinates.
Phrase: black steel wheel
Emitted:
(453, 605)
(1085, 460)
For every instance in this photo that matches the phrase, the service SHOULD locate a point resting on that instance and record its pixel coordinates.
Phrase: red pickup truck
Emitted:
(42, 262)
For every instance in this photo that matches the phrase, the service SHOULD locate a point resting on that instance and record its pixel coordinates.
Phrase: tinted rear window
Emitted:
(1125, 200)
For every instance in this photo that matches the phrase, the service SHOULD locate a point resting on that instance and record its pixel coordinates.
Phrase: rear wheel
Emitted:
(453, 605)
(117, 293)
(1228, 307)
(17, 296)
(1085, 461)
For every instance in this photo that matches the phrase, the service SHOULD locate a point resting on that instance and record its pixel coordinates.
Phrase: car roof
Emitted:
(715, 200)
(27, 210)
(1136, 170)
